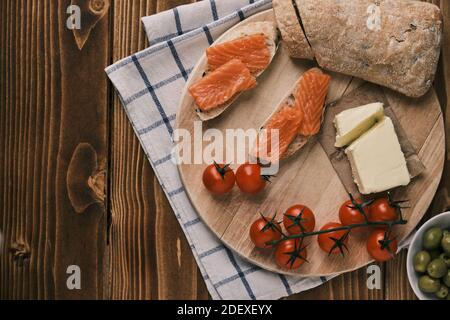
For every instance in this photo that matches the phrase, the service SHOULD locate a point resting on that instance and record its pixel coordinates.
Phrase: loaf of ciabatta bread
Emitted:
(394, 43)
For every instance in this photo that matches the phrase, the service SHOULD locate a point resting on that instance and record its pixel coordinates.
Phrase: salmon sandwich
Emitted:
(297, 119)
(233, 64)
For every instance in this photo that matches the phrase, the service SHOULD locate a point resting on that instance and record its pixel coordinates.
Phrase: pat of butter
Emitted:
(377, 160)
(352, 123)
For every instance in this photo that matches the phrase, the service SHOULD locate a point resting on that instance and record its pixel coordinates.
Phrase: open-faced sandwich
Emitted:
(233, 65)
(296, 119)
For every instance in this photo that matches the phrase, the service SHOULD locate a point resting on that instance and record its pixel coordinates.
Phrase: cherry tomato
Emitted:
(382, 211)
(263, 231)
(381, 245)
(290, 255)
(349, 214)
(219, 179)
(329, 242)
(299, 219)
(249, 179)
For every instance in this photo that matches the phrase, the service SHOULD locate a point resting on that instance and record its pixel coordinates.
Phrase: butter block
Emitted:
(352, 123)
(377, 160)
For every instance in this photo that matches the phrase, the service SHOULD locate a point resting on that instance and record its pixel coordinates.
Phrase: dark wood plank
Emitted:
(396, 280)
(52, 210)
(350, 286)
(149, 255)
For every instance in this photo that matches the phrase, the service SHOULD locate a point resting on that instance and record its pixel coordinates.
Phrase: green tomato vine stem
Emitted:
(348, 228)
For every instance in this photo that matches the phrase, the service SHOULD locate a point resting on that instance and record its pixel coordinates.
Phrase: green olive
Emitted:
(437, 268)
(446, 258)
(446, 279)
(421, 261)
(445, 242)
(432, 238)
(442, 293)
(428, 284)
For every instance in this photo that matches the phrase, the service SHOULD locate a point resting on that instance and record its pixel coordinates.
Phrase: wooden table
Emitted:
(75, 186)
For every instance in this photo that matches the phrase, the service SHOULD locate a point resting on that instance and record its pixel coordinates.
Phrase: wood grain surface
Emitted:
(60, 120)
(54, 151)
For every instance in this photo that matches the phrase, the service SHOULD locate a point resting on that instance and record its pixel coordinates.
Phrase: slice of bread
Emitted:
(291, 29)
(269, 30)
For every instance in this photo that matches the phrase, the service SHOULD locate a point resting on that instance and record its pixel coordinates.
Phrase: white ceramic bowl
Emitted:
(442, 221)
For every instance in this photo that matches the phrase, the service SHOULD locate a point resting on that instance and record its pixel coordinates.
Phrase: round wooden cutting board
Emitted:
(307, 178)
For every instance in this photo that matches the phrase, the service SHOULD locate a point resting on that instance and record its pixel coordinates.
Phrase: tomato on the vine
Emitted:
(249, 178)
(299, 219)
(263, 231)
(219, 179)
(381, 245)
(382, 210)
(353, 211)
(291, 254)
(333, 242)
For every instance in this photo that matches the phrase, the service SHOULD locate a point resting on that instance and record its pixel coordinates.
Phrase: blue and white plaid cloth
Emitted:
(149, 84)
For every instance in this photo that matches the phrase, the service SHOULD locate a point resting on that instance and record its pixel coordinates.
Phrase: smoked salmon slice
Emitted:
(300, 115)
(222, 85)
(252, 50)
(310, 98)
(286, 123)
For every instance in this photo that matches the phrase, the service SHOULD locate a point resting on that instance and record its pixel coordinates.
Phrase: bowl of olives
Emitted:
(428, 261)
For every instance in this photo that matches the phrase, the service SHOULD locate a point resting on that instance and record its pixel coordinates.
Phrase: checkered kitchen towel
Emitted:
(149, 84)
